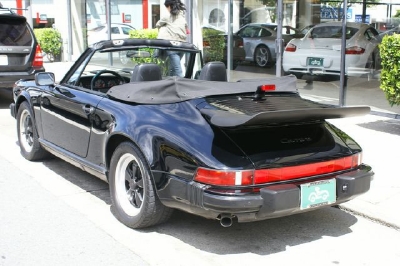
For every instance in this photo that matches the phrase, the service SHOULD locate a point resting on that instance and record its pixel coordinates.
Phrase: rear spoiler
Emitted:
(222, 118)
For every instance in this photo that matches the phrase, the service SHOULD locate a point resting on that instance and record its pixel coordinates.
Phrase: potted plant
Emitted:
(50, 41)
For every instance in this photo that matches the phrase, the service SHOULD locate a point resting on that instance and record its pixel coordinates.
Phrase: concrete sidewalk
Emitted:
(378, 135)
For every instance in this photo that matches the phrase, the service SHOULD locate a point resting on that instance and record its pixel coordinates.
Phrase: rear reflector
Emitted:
(38, 60)
(262, 176)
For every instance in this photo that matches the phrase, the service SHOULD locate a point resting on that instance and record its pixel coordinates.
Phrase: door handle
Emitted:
(88, 109)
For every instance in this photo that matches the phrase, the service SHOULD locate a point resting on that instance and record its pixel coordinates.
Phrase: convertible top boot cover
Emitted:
(175, 89)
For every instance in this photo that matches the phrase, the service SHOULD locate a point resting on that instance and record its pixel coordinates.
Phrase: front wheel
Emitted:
(134, 199)
(262, 56)
(27, 135)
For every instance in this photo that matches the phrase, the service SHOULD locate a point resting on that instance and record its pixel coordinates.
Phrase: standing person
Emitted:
(173, 27)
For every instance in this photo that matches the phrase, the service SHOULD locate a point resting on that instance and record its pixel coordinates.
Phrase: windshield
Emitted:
(332, 32)
(14, 32)
(122, 62)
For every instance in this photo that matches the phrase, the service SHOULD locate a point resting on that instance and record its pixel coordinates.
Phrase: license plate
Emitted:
(316, 194)
(315, 61)
(3, 60)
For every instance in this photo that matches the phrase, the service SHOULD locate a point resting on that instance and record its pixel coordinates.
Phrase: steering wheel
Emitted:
(101, 72)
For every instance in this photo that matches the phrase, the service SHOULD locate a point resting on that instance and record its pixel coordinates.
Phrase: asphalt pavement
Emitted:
(378, 133)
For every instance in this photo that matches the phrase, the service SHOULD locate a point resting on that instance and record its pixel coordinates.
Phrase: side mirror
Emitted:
(44, 79)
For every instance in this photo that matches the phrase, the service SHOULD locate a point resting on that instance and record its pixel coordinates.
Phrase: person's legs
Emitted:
(175, 64)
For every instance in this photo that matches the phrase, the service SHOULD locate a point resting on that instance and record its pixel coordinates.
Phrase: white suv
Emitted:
(118, 31)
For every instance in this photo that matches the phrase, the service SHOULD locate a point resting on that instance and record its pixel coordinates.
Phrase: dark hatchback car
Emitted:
(20, 54)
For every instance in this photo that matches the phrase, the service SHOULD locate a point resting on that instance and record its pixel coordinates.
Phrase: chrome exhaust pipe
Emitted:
(226, 220)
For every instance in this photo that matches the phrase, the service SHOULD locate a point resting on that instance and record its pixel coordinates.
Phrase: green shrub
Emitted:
(390, 74)
(214, 44)
(144, 34)
(50, 41)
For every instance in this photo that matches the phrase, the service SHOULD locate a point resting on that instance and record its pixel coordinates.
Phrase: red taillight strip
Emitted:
(299, 171)
(255, 177)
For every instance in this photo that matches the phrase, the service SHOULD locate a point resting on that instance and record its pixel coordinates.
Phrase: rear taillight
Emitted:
(38, 60)
(224, 178)
(290, 48)
(262, 176)
(355, 50)
(206, 44)
(239, 43)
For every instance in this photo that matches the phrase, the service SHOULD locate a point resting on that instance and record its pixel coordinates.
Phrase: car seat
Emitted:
(146, 72)
(213, 71)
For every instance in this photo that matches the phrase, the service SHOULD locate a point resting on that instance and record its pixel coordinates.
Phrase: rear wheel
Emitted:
(27, 135)
(262, 56)
(134, 199)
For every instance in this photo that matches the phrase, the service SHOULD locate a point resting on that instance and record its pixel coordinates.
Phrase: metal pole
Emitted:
(69, 11)
(108, 22)
(230, 38)
(189, 19)
(279, 40)
(343, 75)
(28, 13)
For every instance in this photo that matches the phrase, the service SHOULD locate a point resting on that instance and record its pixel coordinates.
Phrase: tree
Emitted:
(271, 12)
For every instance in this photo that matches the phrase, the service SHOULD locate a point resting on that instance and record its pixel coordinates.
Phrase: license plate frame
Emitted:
(315, 61)
(318, 193)
(3, 60)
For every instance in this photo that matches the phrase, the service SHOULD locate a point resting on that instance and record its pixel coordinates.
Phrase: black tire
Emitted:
(371, 66)
(262, 56)
(27, 135)
(296, 74)
(134, 199)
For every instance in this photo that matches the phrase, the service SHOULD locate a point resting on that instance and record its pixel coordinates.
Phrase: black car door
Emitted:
(66, 117)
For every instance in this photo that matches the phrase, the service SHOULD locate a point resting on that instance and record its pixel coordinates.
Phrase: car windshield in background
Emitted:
(332, 32)
(14, 32)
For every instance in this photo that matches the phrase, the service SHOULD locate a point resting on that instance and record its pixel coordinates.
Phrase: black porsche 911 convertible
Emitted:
(231, 151)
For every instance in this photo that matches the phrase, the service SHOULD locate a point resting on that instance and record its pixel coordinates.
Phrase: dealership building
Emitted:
(75, 18)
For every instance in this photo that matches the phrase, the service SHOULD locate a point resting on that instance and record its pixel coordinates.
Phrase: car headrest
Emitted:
(146, 72)
(213, 71)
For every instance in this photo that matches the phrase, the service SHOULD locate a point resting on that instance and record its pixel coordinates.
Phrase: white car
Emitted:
(118, 31)
(319, 52)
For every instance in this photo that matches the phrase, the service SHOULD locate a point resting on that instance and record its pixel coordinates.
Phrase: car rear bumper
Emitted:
(7, 79)
(270, 202)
